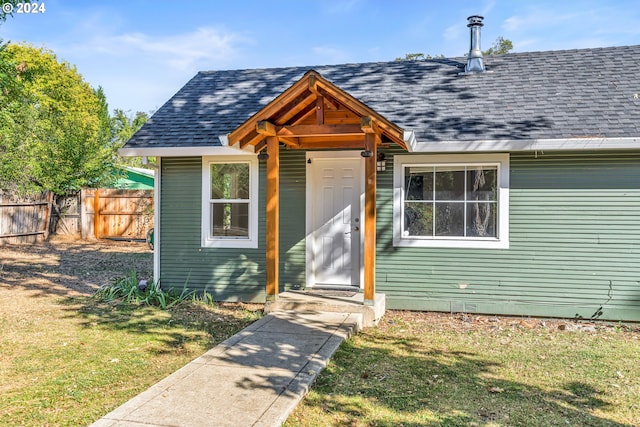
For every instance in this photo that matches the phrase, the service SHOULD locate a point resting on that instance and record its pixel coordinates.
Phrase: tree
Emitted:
(55, 132)
(124, 126)
(499, 47)
(10, 72)
(13, 3)
(418, 57)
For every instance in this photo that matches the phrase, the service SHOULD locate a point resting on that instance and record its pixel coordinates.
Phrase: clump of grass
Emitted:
(130, 291)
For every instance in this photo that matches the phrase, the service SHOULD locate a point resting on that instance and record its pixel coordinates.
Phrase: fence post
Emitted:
(96, 213)
(47, 218)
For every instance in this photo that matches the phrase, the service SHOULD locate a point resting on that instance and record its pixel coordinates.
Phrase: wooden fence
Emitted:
(120, 213)
(124, 214)
(66, 216)
(24, 219)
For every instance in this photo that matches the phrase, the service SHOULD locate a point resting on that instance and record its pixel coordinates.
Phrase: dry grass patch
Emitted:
(426, 369)
(67, 359)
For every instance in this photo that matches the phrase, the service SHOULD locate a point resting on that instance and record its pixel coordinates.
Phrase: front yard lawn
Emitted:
(427, 369)
(67, 359)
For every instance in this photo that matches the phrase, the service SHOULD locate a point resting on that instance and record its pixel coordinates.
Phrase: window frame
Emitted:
(207, 240)
(499, 160)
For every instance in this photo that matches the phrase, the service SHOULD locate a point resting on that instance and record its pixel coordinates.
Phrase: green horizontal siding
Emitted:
(574, 246)
(574, 242)
(292, 219)
(227, 274)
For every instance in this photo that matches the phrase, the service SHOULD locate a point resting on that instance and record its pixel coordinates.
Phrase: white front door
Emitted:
(334, 208)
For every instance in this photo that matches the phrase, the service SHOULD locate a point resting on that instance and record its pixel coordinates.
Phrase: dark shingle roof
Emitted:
(536, 95)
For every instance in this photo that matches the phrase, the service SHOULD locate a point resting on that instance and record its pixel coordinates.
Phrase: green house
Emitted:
(506, 184)
(135, 179)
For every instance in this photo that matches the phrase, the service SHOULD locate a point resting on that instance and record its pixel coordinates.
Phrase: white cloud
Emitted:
(488, 7)
(538, 18)
(567, 27)
(205, 46)
(454, 32)
(183, 51)
(513, 23)
(139, 71)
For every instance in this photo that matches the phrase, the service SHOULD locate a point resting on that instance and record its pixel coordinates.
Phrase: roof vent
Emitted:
(474, 59)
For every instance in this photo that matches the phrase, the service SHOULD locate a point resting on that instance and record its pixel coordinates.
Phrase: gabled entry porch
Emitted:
(341, 137)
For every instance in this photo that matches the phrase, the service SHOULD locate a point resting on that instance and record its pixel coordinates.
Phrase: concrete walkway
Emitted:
(255, 378)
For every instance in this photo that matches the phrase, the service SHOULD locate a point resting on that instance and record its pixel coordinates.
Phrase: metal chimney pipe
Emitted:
(474, 59)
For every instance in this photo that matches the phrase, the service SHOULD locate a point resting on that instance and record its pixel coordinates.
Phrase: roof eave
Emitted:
(184, 151)
(568, 144)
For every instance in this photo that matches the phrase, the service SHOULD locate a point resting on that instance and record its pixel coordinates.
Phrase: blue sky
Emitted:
(142, 52)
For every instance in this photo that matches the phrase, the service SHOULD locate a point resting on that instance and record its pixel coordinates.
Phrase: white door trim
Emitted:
(309, 199)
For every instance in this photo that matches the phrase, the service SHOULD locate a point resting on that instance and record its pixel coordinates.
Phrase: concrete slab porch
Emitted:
(331, 301)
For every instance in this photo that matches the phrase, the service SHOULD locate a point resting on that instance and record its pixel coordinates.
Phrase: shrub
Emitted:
(130, 290)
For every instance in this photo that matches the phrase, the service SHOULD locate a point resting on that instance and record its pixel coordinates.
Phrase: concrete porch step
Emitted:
(329, 301)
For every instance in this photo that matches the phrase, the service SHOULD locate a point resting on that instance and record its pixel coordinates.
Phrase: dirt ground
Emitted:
(462, 322)
(69, 268)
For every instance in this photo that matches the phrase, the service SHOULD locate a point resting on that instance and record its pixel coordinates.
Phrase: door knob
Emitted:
(356, 228)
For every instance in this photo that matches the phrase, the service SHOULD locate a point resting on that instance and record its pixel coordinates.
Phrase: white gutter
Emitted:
(413, 145)
(183, 151)
(410, 140)
(156, 227)
(569, 144)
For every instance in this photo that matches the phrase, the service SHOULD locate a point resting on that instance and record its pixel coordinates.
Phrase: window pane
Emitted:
(418, 219)
(449, 183)
(230, 219)
(482, 184)
(481, 219)
(230, 181)
(418, 184)
(449, 219)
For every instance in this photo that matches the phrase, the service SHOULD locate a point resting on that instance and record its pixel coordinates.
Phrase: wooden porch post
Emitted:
(273, 217)
(370, 142)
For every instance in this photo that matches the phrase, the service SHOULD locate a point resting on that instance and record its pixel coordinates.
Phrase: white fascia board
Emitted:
(527, 145)
(410, 140)
(183, 151)
(224, 140)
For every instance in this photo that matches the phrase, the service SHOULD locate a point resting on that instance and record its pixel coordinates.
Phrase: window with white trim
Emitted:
(230, 201)
(451, 200)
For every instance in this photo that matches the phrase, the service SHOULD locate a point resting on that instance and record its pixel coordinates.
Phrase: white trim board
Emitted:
(415, 146)
(156, 224)
(216, 150)
(309, 195)
(569, 144)
(252, 241)
(501, 160)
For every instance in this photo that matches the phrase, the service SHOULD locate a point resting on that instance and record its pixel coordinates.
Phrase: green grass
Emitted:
(417, 370)
(128, 290)
(69, 361)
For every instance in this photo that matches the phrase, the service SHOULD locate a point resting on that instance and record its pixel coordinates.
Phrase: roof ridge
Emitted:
(451, 60)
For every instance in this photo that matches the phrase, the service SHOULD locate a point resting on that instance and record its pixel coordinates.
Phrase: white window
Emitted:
(451, 200)
(230, 201)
